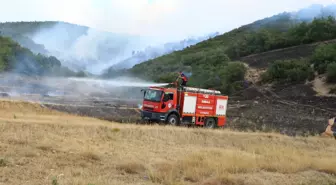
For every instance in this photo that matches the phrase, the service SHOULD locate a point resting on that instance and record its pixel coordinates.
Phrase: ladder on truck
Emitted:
(200, 90)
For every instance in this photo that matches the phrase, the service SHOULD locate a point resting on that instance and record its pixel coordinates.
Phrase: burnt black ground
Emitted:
(292, 110)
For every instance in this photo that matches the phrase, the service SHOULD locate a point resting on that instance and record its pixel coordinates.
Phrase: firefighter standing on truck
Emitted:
(184, 79)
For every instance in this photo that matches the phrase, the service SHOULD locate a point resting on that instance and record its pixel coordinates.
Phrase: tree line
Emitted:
(266, 39)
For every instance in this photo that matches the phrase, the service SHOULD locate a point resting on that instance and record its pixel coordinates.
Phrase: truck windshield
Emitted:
(153, 95)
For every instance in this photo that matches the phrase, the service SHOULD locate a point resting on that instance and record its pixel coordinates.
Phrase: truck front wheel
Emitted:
(173, 120)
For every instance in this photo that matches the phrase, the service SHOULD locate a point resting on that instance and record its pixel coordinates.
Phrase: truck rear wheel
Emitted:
(210, 123)
(173, 120)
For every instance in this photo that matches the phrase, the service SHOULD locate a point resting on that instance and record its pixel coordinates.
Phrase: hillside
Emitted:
(84, 48)
(156, 51)
(209, 61)
(264, 59)
(58, 148)
(17, 59)
(77, 47)
(21, 32)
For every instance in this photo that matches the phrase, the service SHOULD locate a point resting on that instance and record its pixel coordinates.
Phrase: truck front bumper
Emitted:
(153, 116)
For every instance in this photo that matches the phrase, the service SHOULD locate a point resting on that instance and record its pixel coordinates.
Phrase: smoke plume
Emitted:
(87, 49)
(83, 48)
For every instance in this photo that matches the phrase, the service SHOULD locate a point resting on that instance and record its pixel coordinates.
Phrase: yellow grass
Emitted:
(38, 145)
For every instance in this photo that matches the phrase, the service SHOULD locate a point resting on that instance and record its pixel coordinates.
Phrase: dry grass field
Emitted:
(40, 146)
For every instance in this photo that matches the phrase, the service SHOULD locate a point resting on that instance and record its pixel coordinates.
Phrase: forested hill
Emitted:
(17, 59)
(209, 61)
(77, 47)
(22, 32)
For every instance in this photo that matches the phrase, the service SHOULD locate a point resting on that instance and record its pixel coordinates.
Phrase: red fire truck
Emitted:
(184, 105)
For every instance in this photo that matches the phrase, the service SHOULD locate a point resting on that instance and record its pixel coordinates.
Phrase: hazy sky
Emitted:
(172, 19)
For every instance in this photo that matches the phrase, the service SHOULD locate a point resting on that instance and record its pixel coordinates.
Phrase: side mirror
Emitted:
(144, 91)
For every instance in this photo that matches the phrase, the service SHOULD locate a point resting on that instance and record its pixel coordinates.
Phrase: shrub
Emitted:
(292, 71)
(323, 56)
(331, 72)
(232, 77)
(332, 90)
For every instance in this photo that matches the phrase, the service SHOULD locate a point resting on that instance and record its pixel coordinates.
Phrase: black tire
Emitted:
(210, 123)
(173, 120)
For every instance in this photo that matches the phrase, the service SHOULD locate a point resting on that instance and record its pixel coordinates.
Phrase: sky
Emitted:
(171, 19)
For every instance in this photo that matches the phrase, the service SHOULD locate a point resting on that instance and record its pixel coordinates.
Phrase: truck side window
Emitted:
(168, 96)
(171, 96)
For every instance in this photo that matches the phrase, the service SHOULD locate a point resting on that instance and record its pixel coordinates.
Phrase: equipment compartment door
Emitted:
(189, 104)
(205, 105)
(221, 106)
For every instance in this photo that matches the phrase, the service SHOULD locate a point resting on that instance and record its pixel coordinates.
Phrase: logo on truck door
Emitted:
(205, 96)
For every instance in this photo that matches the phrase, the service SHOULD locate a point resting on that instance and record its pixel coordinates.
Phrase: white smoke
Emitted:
(82, 48)
(313, 11)
(88, 49)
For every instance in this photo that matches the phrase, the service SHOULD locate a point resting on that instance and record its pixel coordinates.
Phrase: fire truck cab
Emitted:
(184, 105)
